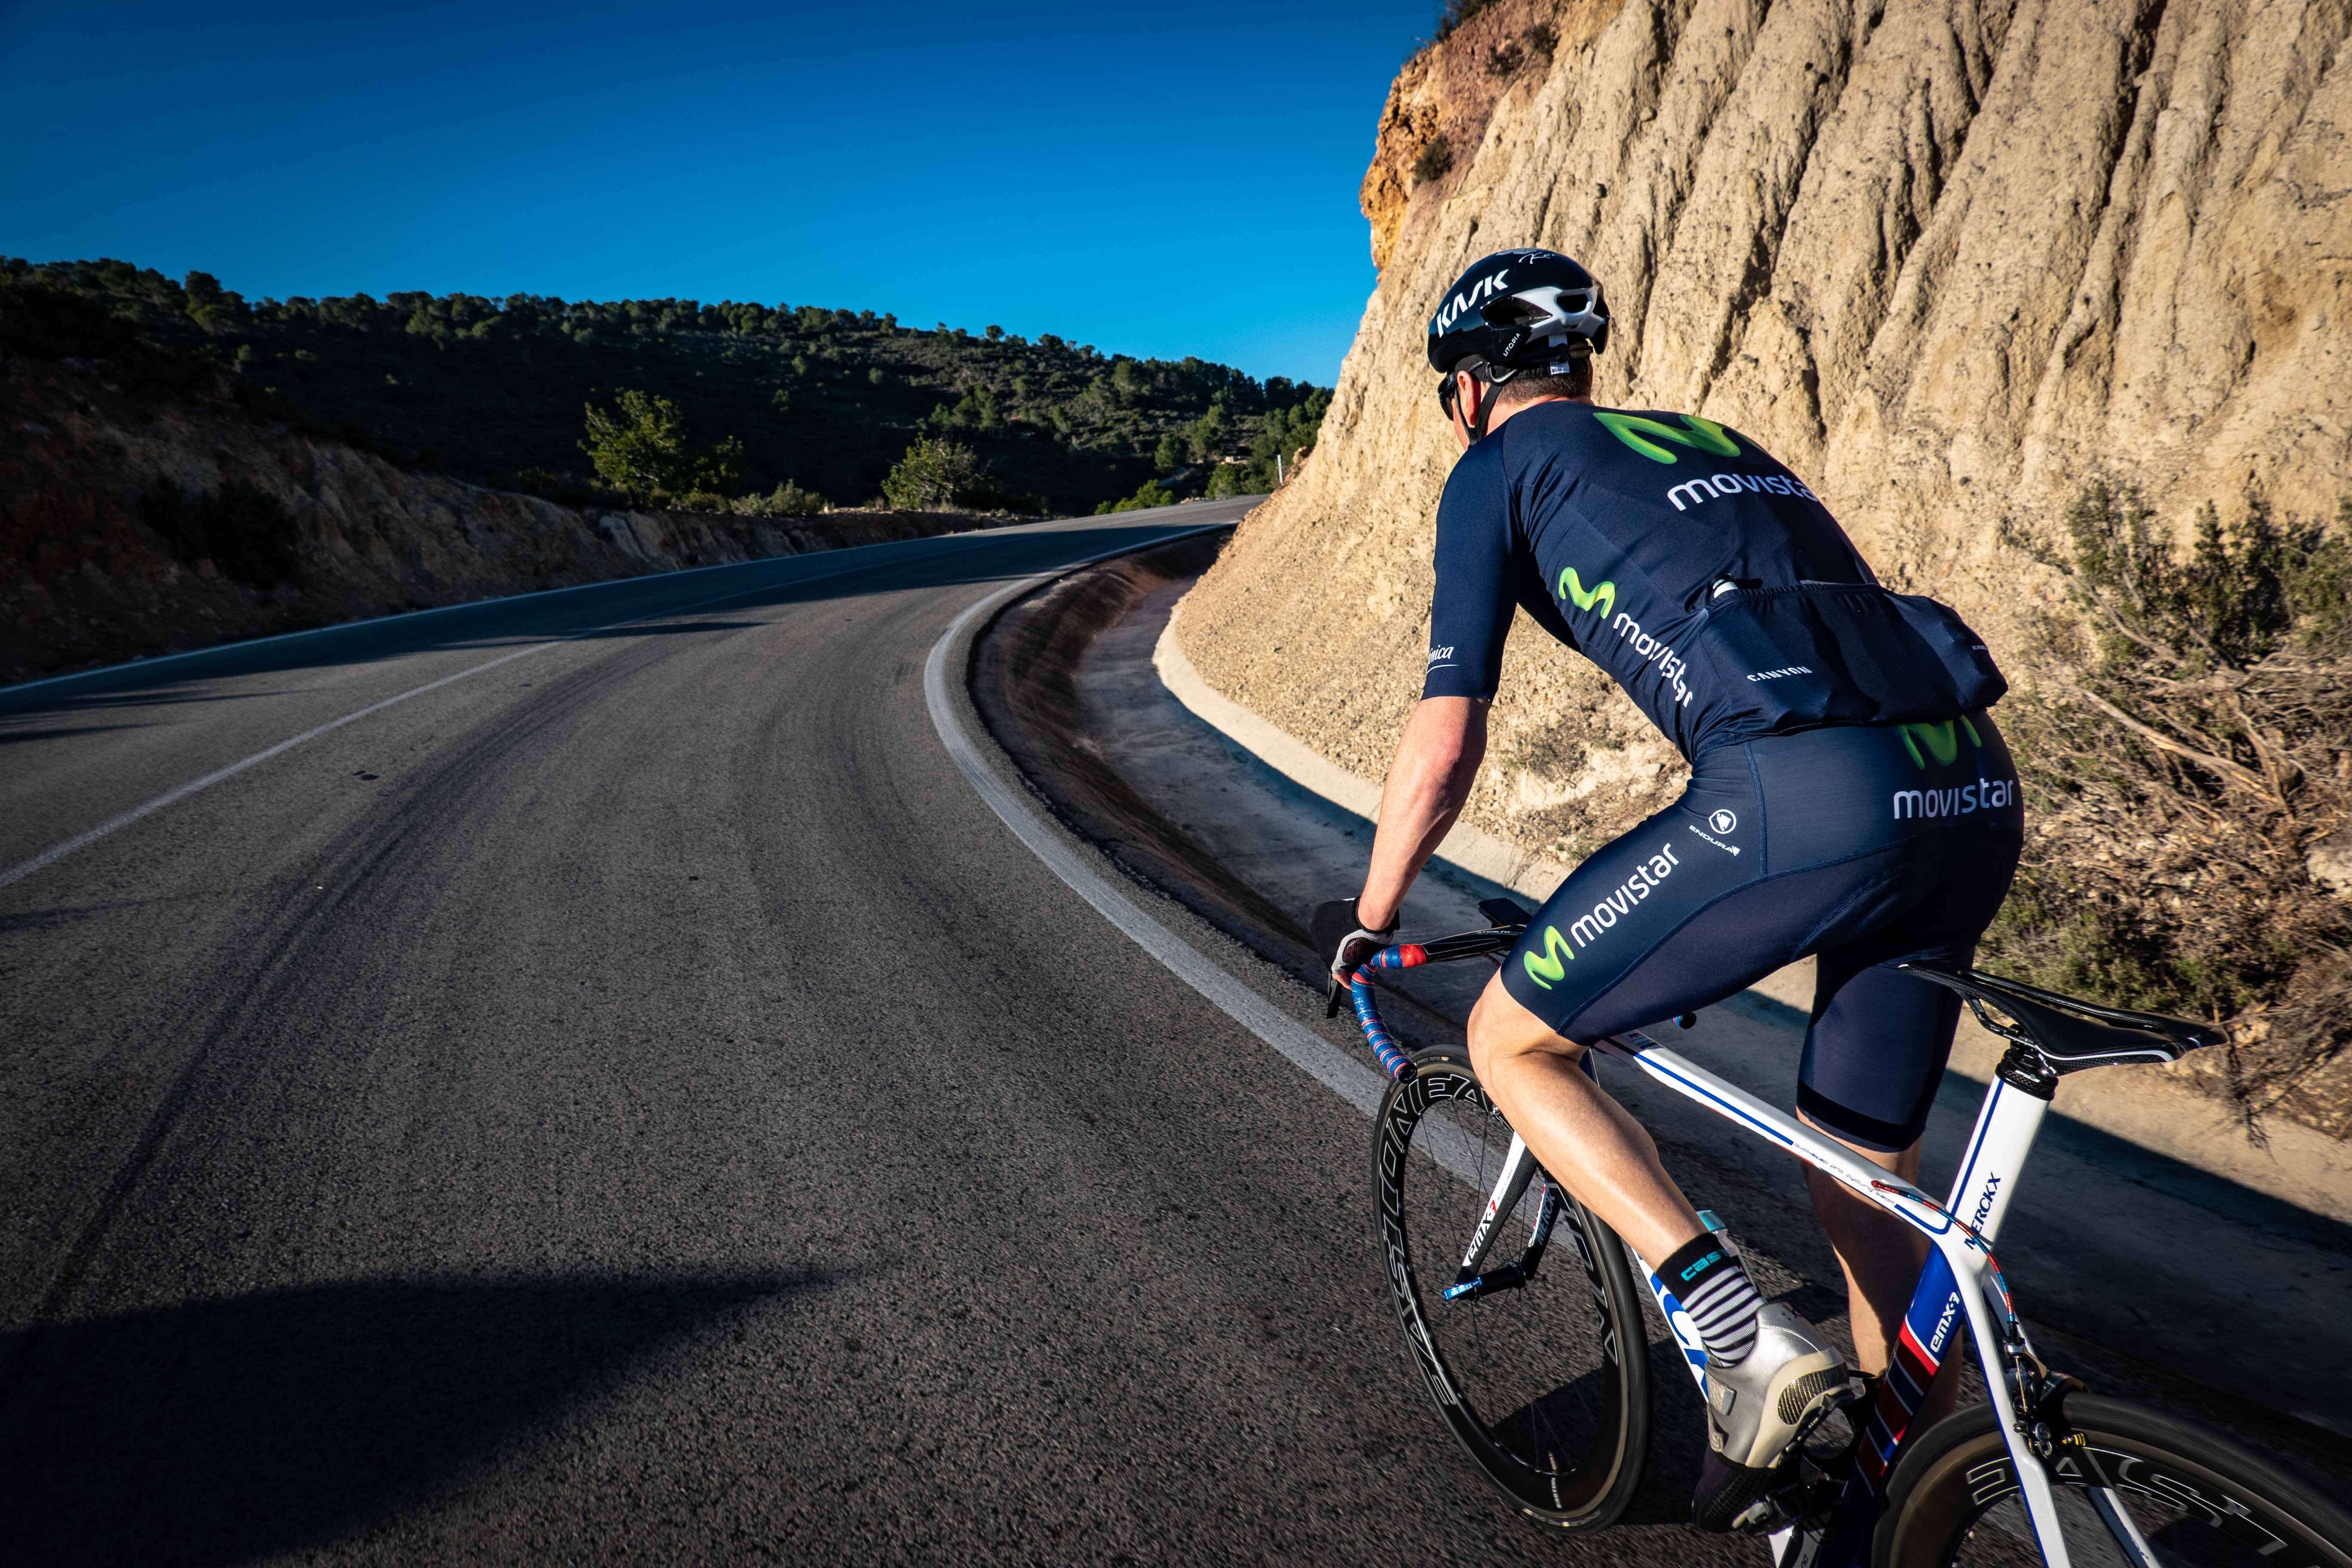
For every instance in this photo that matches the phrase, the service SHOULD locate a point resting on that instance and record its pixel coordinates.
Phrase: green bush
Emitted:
(1208, 432)
(934, 475)
(1240, 479)
(788, 501)
(641, 450)
(1150, 494)
(2188, 737)
(978, 409)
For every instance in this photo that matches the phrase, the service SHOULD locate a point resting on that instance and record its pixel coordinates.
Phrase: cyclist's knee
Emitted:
(1500, 1030)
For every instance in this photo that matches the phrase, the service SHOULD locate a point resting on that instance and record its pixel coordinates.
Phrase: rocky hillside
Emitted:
(1951, 259)
(131, 525)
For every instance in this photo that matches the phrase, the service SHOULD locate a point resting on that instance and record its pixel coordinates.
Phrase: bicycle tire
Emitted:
(1564, 1357)
(2197, 1497)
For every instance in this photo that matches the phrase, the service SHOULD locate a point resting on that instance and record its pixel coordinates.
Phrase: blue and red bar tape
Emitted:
(1403, 955)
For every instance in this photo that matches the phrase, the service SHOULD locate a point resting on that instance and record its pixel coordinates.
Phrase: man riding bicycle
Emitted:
(1849, 800)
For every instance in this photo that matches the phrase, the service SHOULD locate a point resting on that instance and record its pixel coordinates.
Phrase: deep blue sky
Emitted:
(1156, 180)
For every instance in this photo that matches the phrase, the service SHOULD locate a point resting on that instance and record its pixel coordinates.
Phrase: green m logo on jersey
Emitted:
(1552, 962)
(1572, 589)
(1942, 743)
(1643, 435)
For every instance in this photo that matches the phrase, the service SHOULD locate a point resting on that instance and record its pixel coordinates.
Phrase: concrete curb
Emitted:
(2299, 1166)
(1472, 849)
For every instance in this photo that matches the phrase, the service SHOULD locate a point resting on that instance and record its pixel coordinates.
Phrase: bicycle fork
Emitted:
(1474, 1280)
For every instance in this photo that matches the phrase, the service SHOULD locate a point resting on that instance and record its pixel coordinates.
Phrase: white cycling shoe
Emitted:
(1755, 1408)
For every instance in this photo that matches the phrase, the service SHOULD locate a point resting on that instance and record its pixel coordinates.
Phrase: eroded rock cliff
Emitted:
(1948, 258)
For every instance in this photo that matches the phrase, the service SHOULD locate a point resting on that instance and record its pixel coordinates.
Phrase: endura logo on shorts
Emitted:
(1690, 494)
(1777, 674)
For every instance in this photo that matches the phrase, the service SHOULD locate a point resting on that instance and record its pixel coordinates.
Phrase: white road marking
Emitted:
(90, 836)
(1357, 1084)
(115, 824)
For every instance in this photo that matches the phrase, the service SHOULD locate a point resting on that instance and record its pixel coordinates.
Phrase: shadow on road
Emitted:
(223, 1431)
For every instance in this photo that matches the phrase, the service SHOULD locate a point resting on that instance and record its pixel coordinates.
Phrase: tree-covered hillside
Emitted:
(829, 400)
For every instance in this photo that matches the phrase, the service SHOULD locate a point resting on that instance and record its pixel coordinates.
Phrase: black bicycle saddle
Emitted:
(2070, 1034)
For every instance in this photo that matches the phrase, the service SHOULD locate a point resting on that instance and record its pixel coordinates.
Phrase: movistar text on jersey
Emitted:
(1670, 665)
(1733, 484)
(1985, 794)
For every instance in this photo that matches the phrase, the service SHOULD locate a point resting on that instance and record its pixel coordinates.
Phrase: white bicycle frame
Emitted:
(2004, 1134)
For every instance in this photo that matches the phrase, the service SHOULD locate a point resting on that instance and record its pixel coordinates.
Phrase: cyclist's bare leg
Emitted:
(1882, 1256)
(1582, 1137)
(1607, 1160)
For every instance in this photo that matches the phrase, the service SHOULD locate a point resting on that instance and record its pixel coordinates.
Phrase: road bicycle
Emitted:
(1542, 1373)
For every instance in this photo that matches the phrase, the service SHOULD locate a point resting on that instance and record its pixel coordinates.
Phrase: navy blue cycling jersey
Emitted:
(1686, 562)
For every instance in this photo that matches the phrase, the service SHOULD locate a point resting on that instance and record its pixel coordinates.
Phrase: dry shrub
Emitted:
(2188, 739)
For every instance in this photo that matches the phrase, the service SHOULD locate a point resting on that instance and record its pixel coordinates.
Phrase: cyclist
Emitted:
(1848, 799)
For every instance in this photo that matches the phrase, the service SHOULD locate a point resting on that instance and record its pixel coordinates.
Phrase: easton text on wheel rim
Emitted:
(1545, 1383)
(2131, 1485)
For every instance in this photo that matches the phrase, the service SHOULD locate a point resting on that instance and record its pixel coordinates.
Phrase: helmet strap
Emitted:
(1493, 385)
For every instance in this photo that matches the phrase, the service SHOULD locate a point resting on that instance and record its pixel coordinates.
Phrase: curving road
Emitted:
(614, 1090)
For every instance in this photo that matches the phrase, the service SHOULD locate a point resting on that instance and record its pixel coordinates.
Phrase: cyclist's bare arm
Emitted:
(1436, 764)
(1583, 1137)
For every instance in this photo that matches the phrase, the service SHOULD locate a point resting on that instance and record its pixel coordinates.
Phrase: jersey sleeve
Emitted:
(1470, 612)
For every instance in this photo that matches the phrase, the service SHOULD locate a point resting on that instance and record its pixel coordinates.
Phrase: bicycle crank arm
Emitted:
(1509, 1277)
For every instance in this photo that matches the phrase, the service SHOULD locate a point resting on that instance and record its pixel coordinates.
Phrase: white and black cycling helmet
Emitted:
(1516, 312)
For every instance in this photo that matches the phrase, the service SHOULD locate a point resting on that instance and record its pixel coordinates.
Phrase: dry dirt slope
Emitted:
(86, 578)
(1946, 257)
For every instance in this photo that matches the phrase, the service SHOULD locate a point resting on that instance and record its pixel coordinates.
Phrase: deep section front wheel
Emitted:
(1544, 1377)
(2133, 1486)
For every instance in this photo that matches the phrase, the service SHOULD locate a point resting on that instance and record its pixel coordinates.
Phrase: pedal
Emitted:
(1809, 1489)
(1807, 1492)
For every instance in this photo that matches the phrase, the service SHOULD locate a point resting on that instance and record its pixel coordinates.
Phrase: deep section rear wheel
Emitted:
(2190, 1497)
(1545, 1383)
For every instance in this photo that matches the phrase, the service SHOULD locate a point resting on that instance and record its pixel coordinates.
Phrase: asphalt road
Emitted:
(635, 1101)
